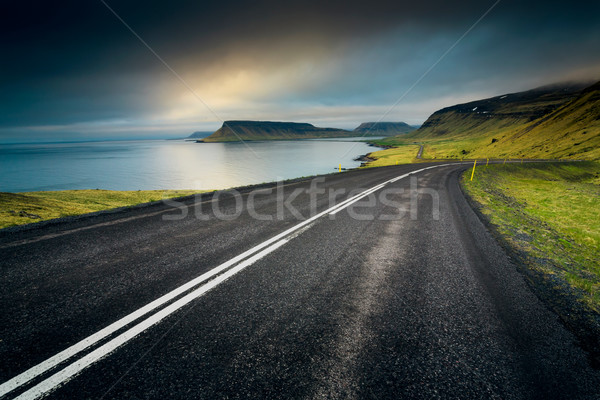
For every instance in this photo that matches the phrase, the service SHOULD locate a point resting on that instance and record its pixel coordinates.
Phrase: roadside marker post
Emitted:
(473, 173)
(504, 161)
(487, 162)
(340, 168)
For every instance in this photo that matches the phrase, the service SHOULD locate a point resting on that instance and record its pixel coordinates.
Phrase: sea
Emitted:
(170, 164)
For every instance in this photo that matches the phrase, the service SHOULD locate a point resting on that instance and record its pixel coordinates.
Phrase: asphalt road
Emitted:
(398, 295)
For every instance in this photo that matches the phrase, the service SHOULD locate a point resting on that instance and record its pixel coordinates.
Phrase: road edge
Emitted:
(141, 206)
(553, 292)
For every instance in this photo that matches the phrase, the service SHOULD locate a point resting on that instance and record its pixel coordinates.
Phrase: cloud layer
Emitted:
(73, 70)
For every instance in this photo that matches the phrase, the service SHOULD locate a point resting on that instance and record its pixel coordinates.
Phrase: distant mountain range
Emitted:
(556, 121)
(232, 131)
(549, 122)
(199, 135)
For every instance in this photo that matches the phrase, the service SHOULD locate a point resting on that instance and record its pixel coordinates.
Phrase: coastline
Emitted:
(391, 155)
(201, 193)
(368, 158)
(362, 139)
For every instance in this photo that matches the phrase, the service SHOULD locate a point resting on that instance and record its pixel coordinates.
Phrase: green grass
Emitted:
(25, 208)
(404, 154)
(571, 131)
(549, 211)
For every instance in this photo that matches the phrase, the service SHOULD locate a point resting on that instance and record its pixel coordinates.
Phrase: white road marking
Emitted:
(73, 369)
(64, 355)
(91, 340)
(126, 219)
(355, 199)
(364, 194)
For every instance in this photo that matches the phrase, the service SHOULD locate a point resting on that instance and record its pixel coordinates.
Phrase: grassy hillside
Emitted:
(25, 208)
(232, 131)
(551, 122)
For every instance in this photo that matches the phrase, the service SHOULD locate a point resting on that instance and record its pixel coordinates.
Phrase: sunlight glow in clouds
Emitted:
(73, 71)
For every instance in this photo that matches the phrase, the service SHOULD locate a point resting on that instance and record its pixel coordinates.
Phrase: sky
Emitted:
(75, 70)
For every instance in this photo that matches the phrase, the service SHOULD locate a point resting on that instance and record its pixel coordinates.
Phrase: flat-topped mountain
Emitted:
(232, 131)
(384, 128)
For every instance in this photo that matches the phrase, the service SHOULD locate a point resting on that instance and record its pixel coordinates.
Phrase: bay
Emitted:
(169, 164)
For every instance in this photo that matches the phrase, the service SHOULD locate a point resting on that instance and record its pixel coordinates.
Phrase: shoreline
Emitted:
(117, 210)
(149, 165)
(366, 159)
(361, 139)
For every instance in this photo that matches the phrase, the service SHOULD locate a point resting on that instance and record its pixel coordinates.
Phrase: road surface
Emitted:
(420, 153)
(397, 295)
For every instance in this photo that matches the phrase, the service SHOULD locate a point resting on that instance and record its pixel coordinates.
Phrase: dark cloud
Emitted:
(73, 62)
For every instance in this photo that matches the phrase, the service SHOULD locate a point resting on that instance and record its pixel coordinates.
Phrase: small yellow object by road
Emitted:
(473, 173)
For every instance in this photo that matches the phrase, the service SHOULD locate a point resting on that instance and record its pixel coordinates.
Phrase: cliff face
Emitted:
(383, 128)
(232, 131)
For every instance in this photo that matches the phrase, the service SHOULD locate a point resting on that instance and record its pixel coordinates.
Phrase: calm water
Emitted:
(162, 164)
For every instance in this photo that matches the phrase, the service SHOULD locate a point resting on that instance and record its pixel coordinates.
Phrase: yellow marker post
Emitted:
(340, 168)
(396, 162)
(487, 162)
(504, 161)
(473, 173)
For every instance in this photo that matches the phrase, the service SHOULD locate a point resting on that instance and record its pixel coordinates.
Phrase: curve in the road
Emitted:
(77, 366)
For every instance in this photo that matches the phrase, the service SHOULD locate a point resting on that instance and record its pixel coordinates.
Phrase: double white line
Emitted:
(240, 262)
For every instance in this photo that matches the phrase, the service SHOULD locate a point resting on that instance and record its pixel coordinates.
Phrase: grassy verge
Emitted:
(404, 154)
(548, 216)
(25, 208)
(550, 213)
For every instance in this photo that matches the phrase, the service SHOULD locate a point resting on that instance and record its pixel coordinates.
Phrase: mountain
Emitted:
(199, 135)
(509, 109)
(557, 121)
(232, 131)
(383, 128)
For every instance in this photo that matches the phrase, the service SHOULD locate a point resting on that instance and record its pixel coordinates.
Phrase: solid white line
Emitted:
(70, 371)
(355, 199)
(64, 355)
(362, 195)
(91, 340)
